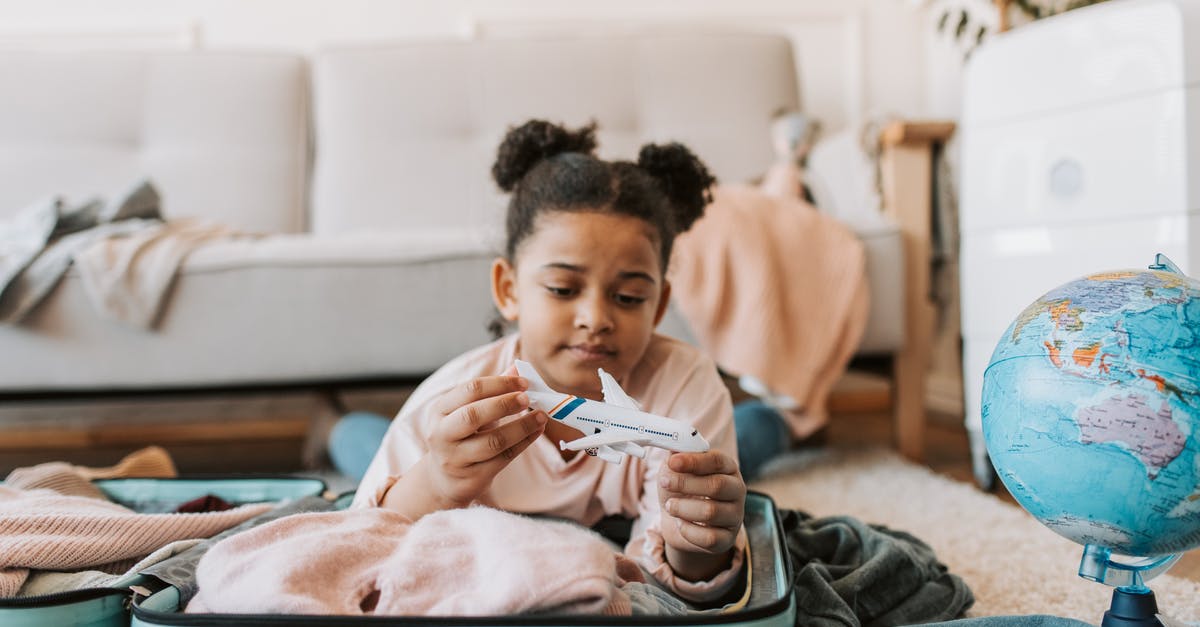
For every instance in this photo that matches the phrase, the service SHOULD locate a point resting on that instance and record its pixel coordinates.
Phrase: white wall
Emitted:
(857, 57)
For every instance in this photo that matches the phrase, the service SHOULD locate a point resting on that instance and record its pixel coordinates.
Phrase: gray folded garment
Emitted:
(180, 571)
(850, 573)
(38, 246)
(47, 582)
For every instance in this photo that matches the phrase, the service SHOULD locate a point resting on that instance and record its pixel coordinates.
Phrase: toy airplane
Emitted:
(616, 427)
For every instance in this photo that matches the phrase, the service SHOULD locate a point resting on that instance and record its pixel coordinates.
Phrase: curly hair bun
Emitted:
(527, 145)
(682, 176)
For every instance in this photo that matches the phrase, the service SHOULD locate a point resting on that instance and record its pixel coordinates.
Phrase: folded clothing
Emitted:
(71, 480)
(42, 529)
(464, 562)
(45, 582)
(180, 570)
(851, 573)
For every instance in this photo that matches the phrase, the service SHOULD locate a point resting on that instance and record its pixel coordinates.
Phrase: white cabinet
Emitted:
(1080, 137)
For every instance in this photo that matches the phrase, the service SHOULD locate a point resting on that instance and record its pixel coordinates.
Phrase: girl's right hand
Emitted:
(483, 427)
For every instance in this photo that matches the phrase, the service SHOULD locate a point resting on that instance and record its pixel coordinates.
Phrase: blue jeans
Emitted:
(354, 440)
(762, 433)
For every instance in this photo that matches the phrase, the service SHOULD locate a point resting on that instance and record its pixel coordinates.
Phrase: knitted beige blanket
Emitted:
(45, 530)
(774, 289)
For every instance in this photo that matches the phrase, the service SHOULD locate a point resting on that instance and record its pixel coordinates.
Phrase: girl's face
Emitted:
(586, 293)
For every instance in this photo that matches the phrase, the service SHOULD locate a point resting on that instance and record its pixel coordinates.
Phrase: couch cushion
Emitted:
(417, 125)
(286, 309)
(289, 309)
(222, 135)
(885, 274)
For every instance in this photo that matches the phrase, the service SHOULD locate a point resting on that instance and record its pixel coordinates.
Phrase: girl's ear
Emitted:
(504, 288)
(664, 299)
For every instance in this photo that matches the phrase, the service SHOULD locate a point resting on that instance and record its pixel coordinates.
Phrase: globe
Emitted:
(1091, 410)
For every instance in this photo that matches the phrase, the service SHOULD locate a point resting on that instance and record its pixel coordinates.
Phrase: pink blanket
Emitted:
(475, 561)
(774, 289)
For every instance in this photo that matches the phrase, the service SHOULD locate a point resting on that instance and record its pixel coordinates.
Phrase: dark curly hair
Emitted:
(550, 168)
(547, 167)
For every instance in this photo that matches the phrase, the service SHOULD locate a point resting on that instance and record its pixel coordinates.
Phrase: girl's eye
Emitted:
(559, 291)
(626, 299)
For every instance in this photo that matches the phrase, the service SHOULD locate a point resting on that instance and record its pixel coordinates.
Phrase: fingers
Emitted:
(473, 390)
(467, 420)
(712, 539)
(708, 463)
(498, 461)
(725, 514)
(719, 487)
(504, 440)
(711, 475)
(703, 491)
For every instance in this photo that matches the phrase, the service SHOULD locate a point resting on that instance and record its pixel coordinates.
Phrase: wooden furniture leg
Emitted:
(906, 177)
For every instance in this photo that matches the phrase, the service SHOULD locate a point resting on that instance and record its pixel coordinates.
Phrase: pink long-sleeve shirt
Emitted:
(672, 379)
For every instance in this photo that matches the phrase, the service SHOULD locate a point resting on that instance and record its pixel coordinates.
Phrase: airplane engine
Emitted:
(605, 453)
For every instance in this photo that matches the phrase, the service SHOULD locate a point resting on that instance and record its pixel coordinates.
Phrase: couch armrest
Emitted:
(906, 177)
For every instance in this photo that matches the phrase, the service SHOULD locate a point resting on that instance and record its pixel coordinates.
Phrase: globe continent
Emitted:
(1090, 404)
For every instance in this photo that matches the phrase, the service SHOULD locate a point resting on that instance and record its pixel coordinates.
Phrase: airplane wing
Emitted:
(629, 448)
(613, 394)
(603, 438)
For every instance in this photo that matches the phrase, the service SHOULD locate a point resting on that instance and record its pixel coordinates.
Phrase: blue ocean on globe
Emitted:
(1091, 411)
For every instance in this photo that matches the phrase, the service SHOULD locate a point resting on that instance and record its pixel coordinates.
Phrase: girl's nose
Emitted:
(593, 314)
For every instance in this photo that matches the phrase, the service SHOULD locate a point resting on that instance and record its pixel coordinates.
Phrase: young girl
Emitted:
(583, 279)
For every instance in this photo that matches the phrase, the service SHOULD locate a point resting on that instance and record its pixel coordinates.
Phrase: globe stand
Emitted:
(1132, 608)
(1133, 603)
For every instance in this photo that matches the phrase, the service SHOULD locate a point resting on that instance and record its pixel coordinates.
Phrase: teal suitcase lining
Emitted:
(109, 607)
(771, 603)
(131, 492)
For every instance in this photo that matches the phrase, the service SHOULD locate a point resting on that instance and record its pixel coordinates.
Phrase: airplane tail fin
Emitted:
(530, 374)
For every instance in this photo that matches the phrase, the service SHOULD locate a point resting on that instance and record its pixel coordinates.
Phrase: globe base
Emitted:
(1132, 608)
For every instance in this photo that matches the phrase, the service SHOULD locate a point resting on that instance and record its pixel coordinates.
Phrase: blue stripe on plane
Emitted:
(570, 407)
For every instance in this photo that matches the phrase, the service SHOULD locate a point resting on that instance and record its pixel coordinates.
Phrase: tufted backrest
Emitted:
(406, 134)
(222, 134)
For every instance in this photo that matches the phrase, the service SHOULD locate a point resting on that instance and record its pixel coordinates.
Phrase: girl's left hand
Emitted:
(703, 500)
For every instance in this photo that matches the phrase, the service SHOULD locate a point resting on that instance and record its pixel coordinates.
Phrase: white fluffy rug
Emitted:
(1013, 564)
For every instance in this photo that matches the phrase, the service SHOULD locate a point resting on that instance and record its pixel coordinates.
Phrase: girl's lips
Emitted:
(585, 352)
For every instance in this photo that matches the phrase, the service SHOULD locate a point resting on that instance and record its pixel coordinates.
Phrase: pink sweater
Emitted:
(465, 562)
(672, 379)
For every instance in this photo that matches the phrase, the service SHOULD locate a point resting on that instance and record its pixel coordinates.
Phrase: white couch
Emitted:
(371, 166)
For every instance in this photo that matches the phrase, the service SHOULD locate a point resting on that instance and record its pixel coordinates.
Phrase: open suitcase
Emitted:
(771, 602)
(109, 606)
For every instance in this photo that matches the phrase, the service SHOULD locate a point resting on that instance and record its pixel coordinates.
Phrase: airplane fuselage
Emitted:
(592, 417)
